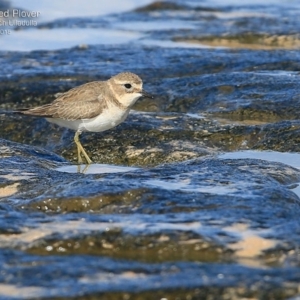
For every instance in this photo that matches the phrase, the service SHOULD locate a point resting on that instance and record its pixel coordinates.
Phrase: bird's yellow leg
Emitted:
(77, 142)
(88, 160)
(80, 149)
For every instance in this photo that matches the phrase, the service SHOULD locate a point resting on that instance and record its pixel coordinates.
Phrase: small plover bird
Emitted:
(95, 106)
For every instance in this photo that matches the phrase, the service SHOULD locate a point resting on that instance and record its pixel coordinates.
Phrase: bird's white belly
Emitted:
(108, 119)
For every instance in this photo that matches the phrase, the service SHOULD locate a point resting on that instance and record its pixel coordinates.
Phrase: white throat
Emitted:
(129, 99)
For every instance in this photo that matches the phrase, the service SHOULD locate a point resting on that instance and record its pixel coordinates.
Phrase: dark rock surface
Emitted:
(184, 223)
(171, 224)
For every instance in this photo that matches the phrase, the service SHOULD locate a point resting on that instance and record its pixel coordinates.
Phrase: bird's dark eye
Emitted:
(127, 85)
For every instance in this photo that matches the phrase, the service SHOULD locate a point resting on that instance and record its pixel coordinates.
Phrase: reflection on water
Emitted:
(291, 159)
(95, 169)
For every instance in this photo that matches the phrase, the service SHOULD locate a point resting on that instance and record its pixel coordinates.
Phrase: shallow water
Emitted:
(51, 10)
(52, 39)
(99, 23)
(95, 169)
(32, 38)
(291, 159)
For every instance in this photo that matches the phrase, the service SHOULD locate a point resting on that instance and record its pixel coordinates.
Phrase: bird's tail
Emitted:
(40, 111)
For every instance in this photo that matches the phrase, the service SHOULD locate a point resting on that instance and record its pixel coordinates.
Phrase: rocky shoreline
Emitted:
(177, 220)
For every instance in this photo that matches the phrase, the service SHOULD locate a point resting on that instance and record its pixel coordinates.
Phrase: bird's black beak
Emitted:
(147, 95)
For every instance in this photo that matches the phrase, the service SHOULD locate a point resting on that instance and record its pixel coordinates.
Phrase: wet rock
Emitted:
(250, 96)
(182, 80)
(159, 5)
(144, 224)
(247, 41)
(155, 138)
(184, 222)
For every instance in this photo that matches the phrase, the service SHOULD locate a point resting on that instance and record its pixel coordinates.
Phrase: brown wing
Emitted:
(82, 102)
